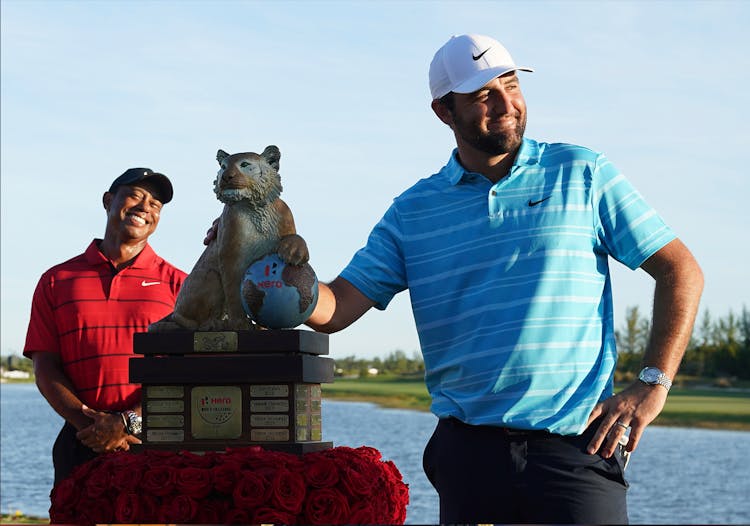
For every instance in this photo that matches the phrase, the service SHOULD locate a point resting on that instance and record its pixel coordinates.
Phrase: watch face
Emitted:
(650, 375)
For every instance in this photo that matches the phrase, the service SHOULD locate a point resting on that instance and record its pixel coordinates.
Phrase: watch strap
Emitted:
(655, 376)
(134, 422)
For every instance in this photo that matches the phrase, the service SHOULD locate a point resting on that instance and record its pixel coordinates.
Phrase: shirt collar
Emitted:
(528, 154)
(145, 259)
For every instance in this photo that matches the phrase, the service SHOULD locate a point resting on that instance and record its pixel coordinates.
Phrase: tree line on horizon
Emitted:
(718, 348)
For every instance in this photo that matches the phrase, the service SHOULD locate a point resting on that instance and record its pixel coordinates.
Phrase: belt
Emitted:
(507, 431)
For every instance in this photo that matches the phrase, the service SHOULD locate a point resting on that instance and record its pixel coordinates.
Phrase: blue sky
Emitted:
(91, 88)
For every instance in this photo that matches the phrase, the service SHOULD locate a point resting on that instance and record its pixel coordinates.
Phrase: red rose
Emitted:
(193, 482)
(212, 511)
(381, 507)
(267, 462)
(64, 495)
(272, 516)
(194, 460)
(237, 516)
(94, 511)
(251, 490)
(66, 516)
(399, 516)
(97, 482)
(156, 456)
(158, 480)
(127, 508)
(393, 472)
(363, 513)
(288, 491)
(320, 471)
(180, 509)
(81, 471)
(122, 460)
(359, 482)
(225, 476)
(397, 492)
(326, 506)
(241, 455)
(127, 478)
(370, 453)
(149, 508)
(397, 500)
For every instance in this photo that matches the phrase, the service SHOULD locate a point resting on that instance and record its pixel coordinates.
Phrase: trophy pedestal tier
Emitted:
(207, 391)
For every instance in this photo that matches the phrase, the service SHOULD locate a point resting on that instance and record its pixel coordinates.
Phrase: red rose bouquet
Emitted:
(247, 485)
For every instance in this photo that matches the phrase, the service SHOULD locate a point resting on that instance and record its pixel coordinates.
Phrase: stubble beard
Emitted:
(492, 143)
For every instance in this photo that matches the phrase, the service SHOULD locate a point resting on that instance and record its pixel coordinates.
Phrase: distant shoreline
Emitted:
(666, 421)
(695, 407)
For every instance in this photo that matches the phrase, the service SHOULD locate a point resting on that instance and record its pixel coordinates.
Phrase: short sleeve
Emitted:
(42, 333)
(377, 270)
(628, 228)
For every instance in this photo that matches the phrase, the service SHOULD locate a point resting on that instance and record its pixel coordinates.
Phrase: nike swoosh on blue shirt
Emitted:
(534, 203)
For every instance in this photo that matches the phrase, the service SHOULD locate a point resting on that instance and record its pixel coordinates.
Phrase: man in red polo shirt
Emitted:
(83, 316)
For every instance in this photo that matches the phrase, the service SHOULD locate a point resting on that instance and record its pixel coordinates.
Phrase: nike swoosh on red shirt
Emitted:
(145, 283)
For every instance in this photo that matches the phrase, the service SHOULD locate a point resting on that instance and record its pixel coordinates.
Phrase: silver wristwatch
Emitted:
(134, 423)
(654, 376)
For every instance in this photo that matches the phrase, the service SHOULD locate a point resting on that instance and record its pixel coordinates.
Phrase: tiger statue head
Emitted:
(248, 177)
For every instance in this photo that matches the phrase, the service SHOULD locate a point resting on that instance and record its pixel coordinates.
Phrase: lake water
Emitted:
(677, 475)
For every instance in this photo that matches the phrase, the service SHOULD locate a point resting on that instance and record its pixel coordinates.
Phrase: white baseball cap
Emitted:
(467, 62)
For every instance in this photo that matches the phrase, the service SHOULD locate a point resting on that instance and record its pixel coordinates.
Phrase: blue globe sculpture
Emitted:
(277, 295)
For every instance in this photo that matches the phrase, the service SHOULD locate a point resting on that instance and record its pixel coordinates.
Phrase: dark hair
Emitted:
(449, 101)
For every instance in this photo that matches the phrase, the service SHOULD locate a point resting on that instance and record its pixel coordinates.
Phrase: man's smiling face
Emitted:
(493, 118)
(133, 211)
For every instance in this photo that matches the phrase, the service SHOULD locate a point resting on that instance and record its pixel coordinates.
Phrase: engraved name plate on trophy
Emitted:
(209, 391)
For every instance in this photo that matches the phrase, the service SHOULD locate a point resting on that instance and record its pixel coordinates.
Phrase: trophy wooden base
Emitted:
(258, 390)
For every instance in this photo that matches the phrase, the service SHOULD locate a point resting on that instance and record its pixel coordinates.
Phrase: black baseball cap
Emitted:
(135, 175)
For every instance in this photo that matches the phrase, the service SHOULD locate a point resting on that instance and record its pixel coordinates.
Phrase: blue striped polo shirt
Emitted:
(509, 282)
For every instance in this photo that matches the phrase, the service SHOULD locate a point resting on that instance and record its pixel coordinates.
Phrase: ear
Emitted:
(221, 155)
(107, 199)
(442, 112)
(272, 155)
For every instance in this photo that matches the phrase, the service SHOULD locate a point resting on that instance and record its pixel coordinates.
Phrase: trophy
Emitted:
(226, 368)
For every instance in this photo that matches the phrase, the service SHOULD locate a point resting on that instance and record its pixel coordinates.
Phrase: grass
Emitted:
(686, 407)
(19, 518)
(707, 408)
(402, 393)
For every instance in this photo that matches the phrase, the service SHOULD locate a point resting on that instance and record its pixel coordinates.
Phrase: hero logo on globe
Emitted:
(268, 283)
(276, 295)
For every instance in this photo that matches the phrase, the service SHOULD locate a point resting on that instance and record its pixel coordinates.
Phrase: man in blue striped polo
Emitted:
(505, 254)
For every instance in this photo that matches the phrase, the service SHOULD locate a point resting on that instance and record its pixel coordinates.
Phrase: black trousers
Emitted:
(486, 474)
(68, 452)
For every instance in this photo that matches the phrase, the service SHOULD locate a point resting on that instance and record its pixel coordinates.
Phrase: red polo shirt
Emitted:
(86, 312)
